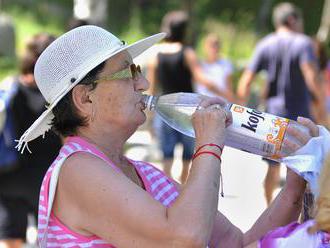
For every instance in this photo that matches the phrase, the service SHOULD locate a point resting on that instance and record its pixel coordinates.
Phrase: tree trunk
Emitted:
(263, 15)
(324, 30)
(94, 12)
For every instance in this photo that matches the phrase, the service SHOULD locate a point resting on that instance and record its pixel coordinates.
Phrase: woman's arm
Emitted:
(244, 86)
(230, 90)
(284, 209)
(311, 77)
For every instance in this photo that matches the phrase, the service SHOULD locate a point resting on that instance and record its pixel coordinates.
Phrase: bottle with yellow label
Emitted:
(251, 131)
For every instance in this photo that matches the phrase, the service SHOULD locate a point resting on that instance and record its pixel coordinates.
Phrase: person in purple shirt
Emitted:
(288, 57)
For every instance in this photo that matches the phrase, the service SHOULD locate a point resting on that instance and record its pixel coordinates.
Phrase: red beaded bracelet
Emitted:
(206, 152)
(210, 144)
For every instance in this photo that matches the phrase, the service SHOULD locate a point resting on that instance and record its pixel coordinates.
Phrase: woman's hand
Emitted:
(209, 121)
(300, 137)
(313, 129)
(294, 183)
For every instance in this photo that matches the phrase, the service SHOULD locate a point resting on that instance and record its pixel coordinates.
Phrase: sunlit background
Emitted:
(239, 23)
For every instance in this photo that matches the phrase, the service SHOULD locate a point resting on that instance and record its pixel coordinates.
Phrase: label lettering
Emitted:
(253, 121)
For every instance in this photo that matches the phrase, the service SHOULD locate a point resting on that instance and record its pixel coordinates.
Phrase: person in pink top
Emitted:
(94, 196)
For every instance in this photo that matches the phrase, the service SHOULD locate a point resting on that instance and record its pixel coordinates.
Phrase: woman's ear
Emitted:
(81, 99)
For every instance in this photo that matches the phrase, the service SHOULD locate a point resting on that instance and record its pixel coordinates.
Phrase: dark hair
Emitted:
(283, 11)
(66, 117)
(175, 24)
(34, 47)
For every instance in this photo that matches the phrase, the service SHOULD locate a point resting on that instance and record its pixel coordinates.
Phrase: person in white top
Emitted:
(218, 70)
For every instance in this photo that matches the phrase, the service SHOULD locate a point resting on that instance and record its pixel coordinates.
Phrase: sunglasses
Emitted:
(133, 72)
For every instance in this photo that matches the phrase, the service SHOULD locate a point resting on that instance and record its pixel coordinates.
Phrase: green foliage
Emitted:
(8, 67)
(30, 19)
(28, 24)
(235, 21)
(134, 30)
(236, 42)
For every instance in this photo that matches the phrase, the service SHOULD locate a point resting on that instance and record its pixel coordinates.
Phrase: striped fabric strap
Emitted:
(51, 196)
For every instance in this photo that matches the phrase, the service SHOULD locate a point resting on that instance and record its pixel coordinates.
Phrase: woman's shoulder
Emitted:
(82, 160)
(83, 163)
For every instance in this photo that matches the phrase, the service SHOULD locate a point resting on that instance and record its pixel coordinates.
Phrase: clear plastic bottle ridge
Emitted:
(252, 131)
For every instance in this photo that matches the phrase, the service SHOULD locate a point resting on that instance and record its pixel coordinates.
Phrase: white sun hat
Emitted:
(67, 60)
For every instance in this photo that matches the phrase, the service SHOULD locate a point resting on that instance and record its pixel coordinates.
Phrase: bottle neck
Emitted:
(149, 102)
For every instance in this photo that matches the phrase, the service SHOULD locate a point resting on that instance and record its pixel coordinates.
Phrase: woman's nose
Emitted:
(141, 84)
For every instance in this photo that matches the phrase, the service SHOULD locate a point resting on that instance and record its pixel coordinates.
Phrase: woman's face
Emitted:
(119, 101)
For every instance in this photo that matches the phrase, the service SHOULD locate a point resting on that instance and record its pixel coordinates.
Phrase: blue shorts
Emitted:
(168, 138)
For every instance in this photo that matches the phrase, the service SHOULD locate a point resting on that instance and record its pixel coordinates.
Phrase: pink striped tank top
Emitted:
(156, 183)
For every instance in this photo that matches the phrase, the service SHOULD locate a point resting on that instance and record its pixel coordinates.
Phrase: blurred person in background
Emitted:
(288, 57)
(216, 69)
(19, 187)
(171, 70)
(322, 61)
(321, 57)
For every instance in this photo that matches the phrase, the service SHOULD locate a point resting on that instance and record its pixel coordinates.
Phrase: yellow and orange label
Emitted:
(257, 132)
(277, 140)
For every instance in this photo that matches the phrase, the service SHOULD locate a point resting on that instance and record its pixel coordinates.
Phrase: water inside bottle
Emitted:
(178, 116)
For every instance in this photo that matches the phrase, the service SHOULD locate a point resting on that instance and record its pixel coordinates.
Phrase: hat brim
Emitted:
(43, 123)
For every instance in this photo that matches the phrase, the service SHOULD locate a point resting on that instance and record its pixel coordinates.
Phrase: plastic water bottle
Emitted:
(251, 131)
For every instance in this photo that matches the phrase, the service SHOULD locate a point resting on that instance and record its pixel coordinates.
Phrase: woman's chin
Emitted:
(139, 120)
(143, 119)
